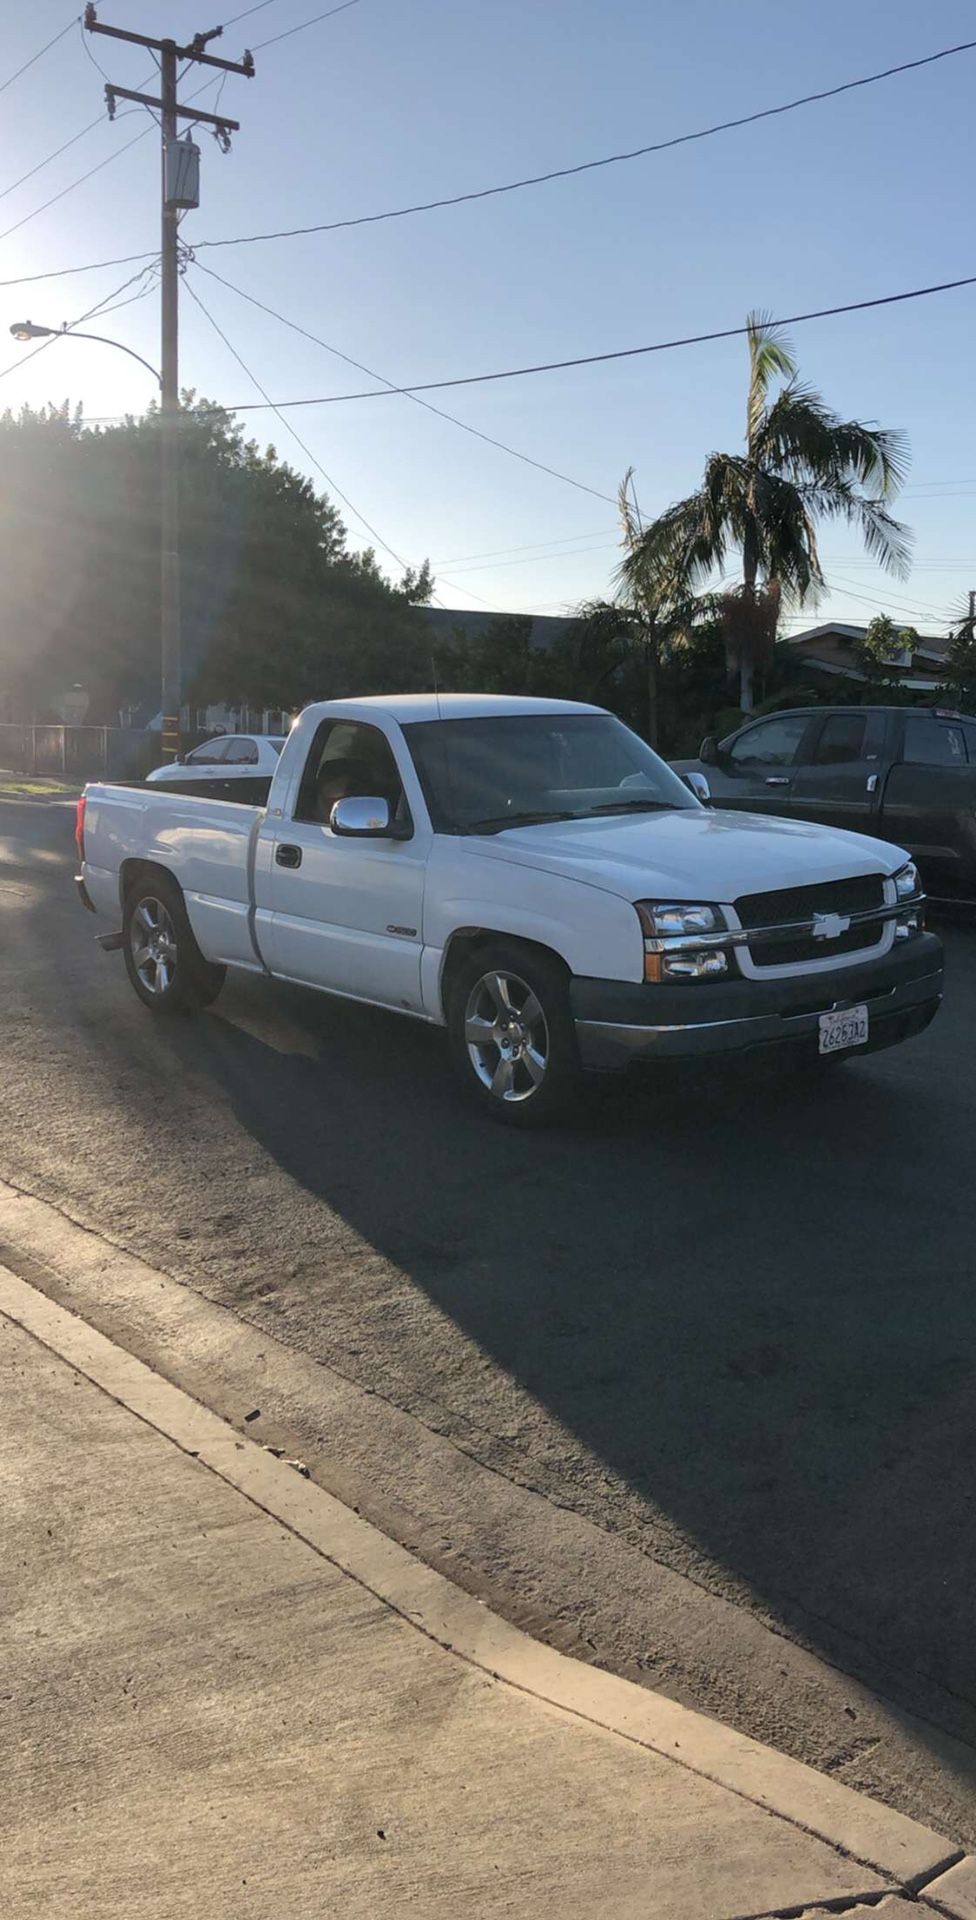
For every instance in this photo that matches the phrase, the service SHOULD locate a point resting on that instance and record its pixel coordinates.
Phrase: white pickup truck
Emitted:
(526, 873)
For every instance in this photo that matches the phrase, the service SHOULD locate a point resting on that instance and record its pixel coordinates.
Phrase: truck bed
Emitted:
(205, 842)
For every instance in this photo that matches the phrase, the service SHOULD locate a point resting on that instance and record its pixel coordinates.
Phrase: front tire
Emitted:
(513, 1042)
(162, 959)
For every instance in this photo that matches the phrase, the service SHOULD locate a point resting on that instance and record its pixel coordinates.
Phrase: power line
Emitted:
(75, 137)
(620, 353)
(303, 24)
(259, 8)
(39, 55)
(307, 450)
(608, 160)
(550, 366)
(399, 213)
(427, 404)
(124, 260)
(105, 305)
(531, 546)
(56, 155)
(55, 197)
(95, 62)
(905, 606)
(63, 273)
(605, 546)
(286, 424)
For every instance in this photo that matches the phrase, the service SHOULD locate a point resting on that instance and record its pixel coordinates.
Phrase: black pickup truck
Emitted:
(903, 774)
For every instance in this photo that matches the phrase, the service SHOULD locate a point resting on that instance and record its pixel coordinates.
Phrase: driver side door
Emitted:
(346, 914)
(756, 768)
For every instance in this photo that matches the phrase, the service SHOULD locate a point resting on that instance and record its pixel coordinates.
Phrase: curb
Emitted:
(907, 1854)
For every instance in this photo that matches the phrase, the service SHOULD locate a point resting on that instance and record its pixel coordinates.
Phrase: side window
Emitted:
(211, 754)
(933, 743)
(348, 757)
(969, 734)
(849, 736)
(773, 743)
(241, 753)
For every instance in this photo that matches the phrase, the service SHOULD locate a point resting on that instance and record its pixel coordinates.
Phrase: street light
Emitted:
(29, 330)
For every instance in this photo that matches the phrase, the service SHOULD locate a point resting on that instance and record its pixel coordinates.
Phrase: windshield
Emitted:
(509, 770)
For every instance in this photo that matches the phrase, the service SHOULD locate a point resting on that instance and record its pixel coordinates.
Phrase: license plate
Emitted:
(848, 1028)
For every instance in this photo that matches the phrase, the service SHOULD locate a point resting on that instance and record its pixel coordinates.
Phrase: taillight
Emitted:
(80, 826)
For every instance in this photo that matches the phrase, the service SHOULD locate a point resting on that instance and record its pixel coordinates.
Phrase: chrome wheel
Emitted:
(506, 1035)
(152, 940)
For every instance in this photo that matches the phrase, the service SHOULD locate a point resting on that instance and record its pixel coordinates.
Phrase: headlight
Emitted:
(665, 922)
(908, 885)
(683, 942)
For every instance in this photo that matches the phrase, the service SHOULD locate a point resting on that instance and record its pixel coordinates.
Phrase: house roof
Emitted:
(931, 646)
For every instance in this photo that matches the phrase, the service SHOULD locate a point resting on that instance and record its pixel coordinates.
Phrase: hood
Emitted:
(694, 853)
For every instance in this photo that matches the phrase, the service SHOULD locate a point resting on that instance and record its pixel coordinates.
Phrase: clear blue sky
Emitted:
(400, 100)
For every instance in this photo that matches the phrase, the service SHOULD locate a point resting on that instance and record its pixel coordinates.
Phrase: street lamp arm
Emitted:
(72, 334)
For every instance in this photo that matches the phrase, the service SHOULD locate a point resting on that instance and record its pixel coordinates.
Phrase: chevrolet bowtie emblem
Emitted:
(830, 926)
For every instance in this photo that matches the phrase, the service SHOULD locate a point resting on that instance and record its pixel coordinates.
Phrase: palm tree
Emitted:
(652, 611)
(802, 464)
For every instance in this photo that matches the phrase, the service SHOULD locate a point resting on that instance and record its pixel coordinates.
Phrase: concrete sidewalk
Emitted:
(222, 1694)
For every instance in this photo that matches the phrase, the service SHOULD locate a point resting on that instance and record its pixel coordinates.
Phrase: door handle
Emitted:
(288, 856)
(777, 780)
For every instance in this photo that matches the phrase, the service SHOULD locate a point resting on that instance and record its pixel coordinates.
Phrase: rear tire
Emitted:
(513, 1042)
(162, 959)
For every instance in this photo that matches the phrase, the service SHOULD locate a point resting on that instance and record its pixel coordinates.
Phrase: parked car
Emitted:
(526, 873)
(902, 774)
(231, 765)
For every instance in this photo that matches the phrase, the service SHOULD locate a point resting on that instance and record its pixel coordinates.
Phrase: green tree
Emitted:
(275, 609)
(502, 659)
(655, 598)
(960, 681)
(801, 465)
(877, 652)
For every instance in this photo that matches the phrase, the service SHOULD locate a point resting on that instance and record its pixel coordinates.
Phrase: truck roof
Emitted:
(449, 706)
(875, 706)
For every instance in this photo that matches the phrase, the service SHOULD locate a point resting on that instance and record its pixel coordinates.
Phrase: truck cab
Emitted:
(907, 775)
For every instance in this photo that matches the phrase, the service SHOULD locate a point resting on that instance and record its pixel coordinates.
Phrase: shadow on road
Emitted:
(745, 1297)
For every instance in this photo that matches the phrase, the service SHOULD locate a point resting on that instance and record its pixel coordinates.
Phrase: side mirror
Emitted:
(365, 817)
(708, 751)
(699, 787)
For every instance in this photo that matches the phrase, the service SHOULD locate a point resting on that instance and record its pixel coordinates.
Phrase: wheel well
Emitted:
(132, 871)
(467, 941)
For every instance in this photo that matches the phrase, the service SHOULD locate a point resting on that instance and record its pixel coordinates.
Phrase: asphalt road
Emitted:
(728, 1320)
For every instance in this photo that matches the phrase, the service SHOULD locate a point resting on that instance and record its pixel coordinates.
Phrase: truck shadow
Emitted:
(743, 1303)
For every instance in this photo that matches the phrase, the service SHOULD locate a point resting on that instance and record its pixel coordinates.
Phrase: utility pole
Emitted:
(178, 193)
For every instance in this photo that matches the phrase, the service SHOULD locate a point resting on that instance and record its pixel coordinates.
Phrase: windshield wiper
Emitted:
(635, 806)
(503, 820)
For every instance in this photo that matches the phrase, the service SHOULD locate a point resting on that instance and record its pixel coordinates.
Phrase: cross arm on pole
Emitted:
(113, 93)
(193, 52)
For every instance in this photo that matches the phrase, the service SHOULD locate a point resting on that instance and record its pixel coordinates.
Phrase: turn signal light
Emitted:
(683, 963)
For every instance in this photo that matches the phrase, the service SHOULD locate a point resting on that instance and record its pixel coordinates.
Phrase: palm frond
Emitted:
(770, 354)
(803, 437)
(887, 540)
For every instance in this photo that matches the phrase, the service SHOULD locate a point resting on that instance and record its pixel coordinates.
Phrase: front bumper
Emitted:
(619, 1023)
